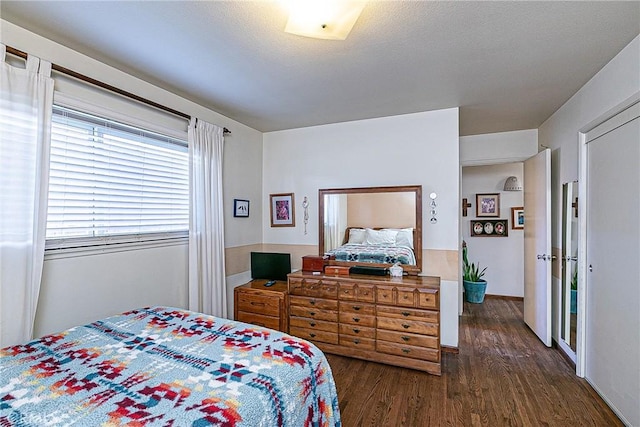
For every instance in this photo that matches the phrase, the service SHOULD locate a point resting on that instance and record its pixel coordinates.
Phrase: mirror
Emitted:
(346, 212)
(569, 263)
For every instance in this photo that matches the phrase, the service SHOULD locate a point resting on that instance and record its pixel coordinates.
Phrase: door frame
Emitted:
(583, 176)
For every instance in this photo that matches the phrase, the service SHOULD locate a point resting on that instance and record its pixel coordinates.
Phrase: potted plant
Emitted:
(474, 286)
(574, 291)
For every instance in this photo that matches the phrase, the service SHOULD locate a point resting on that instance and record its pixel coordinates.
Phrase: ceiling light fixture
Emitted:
(323, 19)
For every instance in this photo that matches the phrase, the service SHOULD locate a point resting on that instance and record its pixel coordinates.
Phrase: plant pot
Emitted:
(574, 301)
(474, 291)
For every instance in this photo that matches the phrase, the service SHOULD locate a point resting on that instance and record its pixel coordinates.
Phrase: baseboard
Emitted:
(507, 297)
(449, 349)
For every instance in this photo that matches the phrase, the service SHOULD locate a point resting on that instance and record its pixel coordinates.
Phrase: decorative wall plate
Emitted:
(489, 227)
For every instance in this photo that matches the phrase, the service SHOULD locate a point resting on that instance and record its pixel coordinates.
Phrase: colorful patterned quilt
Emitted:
(167, 367)
(374, 254)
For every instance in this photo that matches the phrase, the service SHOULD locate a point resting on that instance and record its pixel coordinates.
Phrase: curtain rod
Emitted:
(103, 85)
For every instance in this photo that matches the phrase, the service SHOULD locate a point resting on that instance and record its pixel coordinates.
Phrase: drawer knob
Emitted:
(356, 330)
(356, 319)
(356, 307)
(312, 323)
(406, 350)
(312, 313)
(405, 338)
(405, 313)
(312, 302)
(404, 325)
(406, 297)
(312, 335)
(356, 341)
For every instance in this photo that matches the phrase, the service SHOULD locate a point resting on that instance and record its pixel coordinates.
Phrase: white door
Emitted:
(612, 322)
(537, 245)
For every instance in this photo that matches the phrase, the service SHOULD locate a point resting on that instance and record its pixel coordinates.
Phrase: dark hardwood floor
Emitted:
(502, 376)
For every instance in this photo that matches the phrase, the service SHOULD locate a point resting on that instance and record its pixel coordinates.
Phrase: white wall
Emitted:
(501, 147)
(78, 289)
(412, 149)
(614, 84)
(503, 256)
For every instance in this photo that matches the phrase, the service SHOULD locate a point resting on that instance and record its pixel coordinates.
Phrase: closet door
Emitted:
(613, 256)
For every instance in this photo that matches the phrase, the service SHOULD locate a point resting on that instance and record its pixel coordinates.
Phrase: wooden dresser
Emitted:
(260, 305)
(378, 318)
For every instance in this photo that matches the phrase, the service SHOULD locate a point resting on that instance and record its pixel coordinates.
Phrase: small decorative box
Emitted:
(336, 269)
(313, 263)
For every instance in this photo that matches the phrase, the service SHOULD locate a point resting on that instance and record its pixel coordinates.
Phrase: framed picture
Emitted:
(517, 218)
(282, 210)
(240, 208)
(488, 205)
(489, 228)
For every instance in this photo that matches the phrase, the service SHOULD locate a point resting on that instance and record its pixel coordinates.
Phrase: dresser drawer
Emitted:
(313, 313)
(407, 338)
(357, 308)
(357, 319)
(323, 304)
(408, 313)
(314, 335)
(357, 342)
(384, 295)
(428, 299)
(421, 353)
(259, 319)
(357, 331)
(263, 304)
(404, 325)
(406, 297)
(356, 292)
(313, 288)
(319, 325)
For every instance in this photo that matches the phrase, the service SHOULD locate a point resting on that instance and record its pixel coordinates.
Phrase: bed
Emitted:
(380, 246)
(162, 366)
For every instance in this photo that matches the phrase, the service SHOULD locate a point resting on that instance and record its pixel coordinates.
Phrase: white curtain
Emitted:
(333, 226)
(207, 287)
(26, 100)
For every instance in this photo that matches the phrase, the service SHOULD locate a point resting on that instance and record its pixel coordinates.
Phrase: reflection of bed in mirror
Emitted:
(376, 245)
(373, 226)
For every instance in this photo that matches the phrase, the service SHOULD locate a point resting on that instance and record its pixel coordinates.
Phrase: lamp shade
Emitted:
(512, 184)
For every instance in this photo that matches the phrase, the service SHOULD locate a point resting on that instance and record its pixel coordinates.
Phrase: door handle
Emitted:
(543, 257)
(590, 268)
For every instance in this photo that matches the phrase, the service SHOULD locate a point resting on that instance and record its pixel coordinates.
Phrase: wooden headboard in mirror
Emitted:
(396, 208)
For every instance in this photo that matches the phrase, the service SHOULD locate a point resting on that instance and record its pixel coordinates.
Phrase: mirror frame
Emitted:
(417, 234)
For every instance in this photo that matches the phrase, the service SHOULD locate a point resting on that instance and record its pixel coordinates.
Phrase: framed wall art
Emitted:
(489, 228)
(517, 218)
(240, 208)
(282, 210)
(488, 205)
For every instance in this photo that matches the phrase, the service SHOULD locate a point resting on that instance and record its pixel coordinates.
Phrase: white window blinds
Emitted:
(112, 183)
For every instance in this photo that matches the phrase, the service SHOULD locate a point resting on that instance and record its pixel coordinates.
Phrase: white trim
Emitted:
(75, 252)
(69, 101)
(609, 403)
(614, 122)
(489, 162)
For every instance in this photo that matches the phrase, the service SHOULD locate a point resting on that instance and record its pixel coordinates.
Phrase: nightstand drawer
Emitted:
(255, 303)
(258, 319)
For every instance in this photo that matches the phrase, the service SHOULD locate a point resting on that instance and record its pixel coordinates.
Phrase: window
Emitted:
(114, 183)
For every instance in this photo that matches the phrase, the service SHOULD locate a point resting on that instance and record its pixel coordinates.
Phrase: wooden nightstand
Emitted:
(263, 306)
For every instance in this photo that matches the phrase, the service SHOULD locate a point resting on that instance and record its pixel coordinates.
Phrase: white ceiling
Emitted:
(507, 65)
